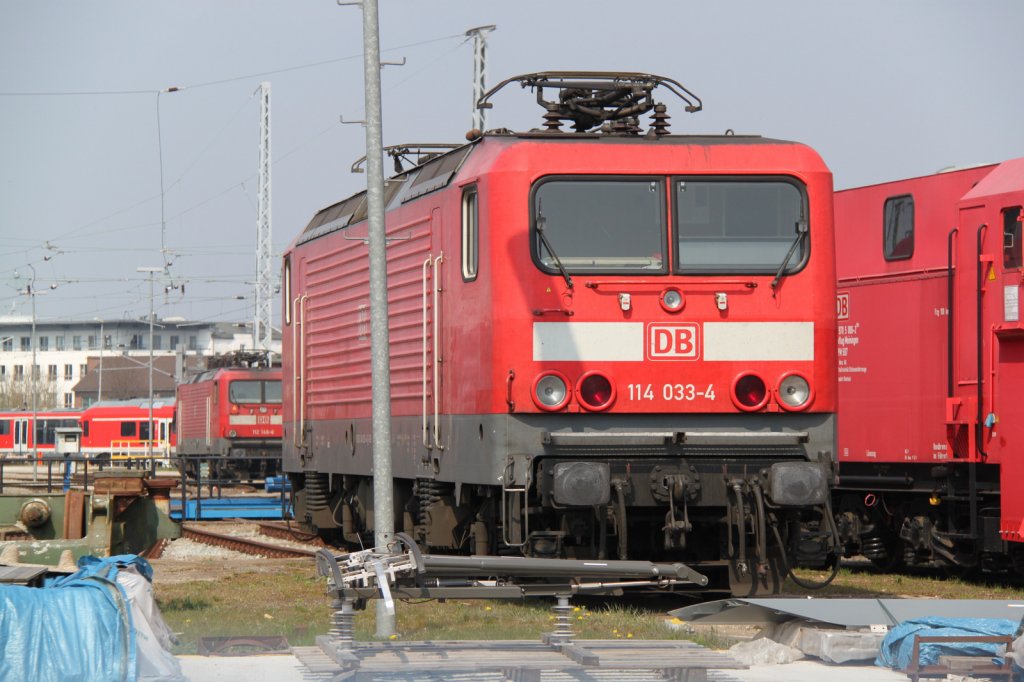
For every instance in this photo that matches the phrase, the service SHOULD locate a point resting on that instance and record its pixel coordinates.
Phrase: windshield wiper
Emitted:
(541, 220)
(801, 229)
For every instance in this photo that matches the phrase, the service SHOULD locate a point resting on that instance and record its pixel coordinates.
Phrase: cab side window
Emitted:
(1012, 255)
(470, 233)
(898, 228)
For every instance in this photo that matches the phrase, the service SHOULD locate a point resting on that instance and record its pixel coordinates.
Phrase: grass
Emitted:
(290, 602)
(865, 582)
(487, 619)
(293, 604)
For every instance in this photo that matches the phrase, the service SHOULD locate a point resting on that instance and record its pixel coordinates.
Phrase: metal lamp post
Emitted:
(149, 446)
(99, 392)
(34, 376)
(33, 379)
(383, 492)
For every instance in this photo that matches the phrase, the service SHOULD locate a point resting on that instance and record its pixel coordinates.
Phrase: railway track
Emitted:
(244, 544)
(284, 531)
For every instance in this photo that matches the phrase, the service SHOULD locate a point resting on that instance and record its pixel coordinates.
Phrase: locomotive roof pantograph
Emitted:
(420, 151)
(612, 101)
(607, 100)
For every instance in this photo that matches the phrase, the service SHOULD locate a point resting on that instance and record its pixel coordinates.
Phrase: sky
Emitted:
(101, 173)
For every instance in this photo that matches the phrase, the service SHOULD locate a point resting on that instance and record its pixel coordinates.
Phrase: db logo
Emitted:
(673, 342)
(843, 306)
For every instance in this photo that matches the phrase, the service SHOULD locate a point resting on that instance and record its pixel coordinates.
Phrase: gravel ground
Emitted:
(212, 568)
(186, 560)
(184, 549)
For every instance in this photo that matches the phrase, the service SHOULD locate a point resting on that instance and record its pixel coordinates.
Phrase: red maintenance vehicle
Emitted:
(230, 416)
(931, 363)
(605, 343)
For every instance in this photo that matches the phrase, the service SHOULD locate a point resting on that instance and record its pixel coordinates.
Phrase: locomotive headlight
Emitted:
(672, 300)
(550, 391)
(794, 392)
(595, 391)
(232, 434)
(749, 392)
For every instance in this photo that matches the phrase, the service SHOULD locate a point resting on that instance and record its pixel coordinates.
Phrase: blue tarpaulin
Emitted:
(898, 646)
(78, 627)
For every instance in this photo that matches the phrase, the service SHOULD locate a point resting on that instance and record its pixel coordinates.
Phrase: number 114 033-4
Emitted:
(671, 392)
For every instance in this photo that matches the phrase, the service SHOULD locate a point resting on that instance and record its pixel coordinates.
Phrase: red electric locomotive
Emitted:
(931, 354)
(119, 430)
(605, 343)
(232, 413)
(18, 437)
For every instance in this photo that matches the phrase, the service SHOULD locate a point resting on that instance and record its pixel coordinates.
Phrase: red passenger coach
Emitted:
(231, 415)
(120, 429)
(931, 363)
(18, 436)
(605, 343)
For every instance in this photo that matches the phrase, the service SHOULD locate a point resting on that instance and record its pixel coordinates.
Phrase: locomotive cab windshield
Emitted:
(254, 392)
(739, 225)
(720, 225)
(600, 225)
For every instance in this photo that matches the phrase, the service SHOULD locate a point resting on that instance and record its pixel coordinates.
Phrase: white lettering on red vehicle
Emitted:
(671, 392)
(673, 341)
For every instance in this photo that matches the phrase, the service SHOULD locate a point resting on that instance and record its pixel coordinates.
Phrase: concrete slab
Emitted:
(269, 668)
(845, 611)
(286, 668)
(815, 671)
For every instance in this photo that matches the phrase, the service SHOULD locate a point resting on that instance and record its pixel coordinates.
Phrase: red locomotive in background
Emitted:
(931, 354)
(230, 415)
(605, 343)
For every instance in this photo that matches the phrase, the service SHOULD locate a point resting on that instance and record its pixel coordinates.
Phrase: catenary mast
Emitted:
(261, 328)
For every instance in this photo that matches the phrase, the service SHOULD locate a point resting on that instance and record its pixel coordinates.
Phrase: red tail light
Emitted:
(749, 392)
(595, 391)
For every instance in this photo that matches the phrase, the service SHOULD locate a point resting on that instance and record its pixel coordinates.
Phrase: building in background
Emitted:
(127, 378)
(79, 362)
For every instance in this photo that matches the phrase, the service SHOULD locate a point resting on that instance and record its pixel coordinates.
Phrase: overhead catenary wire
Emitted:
(81, 239)
(79, 233)
(157, 91)
(221, 81)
